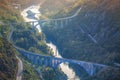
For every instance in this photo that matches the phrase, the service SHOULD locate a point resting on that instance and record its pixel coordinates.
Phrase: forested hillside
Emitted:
(93, 35)
(49, 8)
(25, 3)
(8, 61)
(25, 37)
(97, 19)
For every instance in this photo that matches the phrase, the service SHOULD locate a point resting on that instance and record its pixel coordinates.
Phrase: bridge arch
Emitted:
(53, 62)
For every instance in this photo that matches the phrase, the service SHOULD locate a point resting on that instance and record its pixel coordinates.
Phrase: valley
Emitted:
(76, 40)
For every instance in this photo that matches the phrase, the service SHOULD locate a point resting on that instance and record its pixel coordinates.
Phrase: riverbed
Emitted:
(64, 66)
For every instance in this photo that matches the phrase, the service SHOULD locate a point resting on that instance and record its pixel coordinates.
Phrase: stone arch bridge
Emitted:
(57, 22)
(54, 62)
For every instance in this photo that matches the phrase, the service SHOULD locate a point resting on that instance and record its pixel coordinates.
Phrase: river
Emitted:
(34, 17)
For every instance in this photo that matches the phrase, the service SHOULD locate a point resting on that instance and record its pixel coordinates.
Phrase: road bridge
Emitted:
(54, 62)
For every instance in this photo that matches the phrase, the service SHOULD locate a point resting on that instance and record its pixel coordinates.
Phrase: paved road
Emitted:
(64, 18)
(74, 15)
(20, 69)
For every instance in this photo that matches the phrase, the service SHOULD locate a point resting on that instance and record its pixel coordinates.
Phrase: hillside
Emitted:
(98, 19)
(26, 38)
(8, 61)
(92, 36)
(50, 7)
(25, 3)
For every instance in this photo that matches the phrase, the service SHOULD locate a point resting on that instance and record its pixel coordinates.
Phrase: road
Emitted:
(74, 15)
(20, 64)
(20, 69)
(63, 18)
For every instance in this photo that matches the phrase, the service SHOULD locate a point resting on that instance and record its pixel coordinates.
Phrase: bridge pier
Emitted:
(66, 22)
(45, 62)
(36, 59)
(53, 62)
(28, 56)
(69, 20)
(56, 23)
(39, 61)
(50, 62)
(57, 63)
(89, 67)
(32, 59)
(32, 23)
(61, 24)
